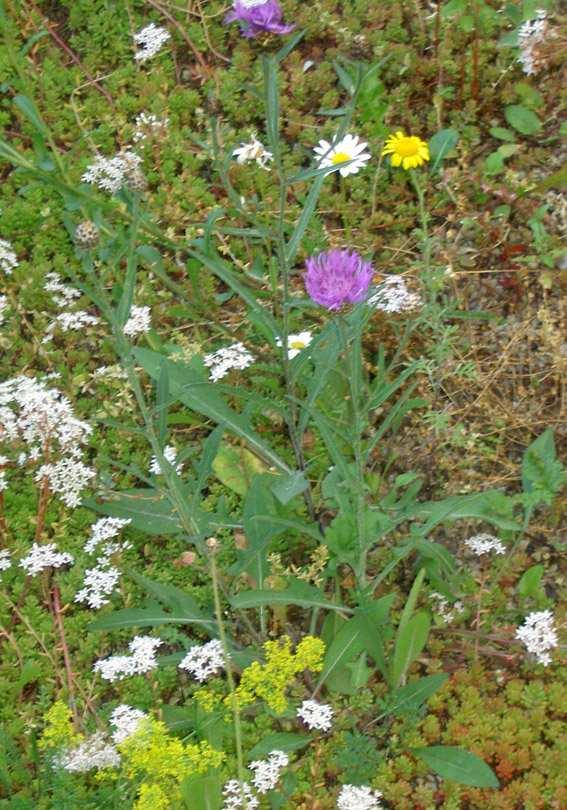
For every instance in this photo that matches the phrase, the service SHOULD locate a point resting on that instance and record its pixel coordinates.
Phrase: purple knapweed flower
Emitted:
(258, 17)
(338, 277)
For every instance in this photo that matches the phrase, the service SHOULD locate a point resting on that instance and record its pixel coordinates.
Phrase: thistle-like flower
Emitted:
(337, 277)
(349, 150)
(258, 17)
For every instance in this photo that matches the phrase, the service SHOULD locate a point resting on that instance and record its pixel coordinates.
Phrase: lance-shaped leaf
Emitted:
(459, 765)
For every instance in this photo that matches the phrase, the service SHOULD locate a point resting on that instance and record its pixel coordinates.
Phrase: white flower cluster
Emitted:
(3, 481)
(126, 722)
(358, 797)
(70, 322)
(139, 321)
(150, 39)
(5, 559)
(485, 543)
(296, 343)
(254, 150)
(538, 635)
(393, 295)
(66, 478)
(267, 772)
(239, 795)
(531, 34)
(142, 660)
(149, 125)
(44, 556)
(315, 715)
(93, 753)
(8, 259)
(170, 454)
(223, 360)
(204, 661)
(100, 581)
(3, 308)
(111, 174)
(63, 294)
(447, 610)
(349, 148)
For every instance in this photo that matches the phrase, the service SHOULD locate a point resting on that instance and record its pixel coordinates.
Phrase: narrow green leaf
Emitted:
(148, 510)
(440, 145)
(411, 696)
(411, 601)
(300, 593)
(30, 111)
(306, 214)
(144, 617)
(280, 741)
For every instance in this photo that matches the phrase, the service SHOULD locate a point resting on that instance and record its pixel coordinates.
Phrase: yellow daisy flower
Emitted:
(407, 151)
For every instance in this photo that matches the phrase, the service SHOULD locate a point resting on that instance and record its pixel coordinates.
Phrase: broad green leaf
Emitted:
(372, 640)
(280, 741)
(188, 385)
(300, 593)
(522, 119)
(440, 145)
(502, 134)
(493, 506)
(145, 617)
(411, 696)
(345, 647)
(149, 510)
(172, 597)
(409, 644)
(530, 582)
(459, 765)
(203, 791)
(286, 487)
(542, 472)
(235, 467)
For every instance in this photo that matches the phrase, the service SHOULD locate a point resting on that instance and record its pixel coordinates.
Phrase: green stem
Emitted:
(424, 220)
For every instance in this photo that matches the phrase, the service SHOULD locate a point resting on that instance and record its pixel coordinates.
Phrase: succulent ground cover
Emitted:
(282, 398)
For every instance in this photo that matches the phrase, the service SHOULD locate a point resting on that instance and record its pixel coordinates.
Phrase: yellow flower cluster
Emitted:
(58, 731)
(163, 762)
(270, 681)
(207, 699)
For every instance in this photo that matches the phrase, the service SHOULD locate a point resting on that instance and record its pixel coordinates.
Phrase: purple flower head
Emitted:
(338, 277)
(258, 17)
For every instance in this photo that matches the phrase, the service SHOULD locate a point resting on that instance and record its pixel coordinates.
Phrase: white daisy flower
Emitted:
(296, 343)
(349, 148)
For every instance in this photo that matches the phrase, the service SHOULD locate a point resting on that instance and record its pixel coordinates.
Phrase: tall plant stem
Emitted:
(424, 221)
(226, 653)
(58, 621)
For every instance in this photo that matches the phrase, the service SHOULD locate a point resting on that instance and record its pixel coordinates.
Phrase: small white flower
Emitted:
(358, 797)
(141, 660)
(70, 322)
(296, 343)
(531, 34)
(315, 715)
(393, 295)
(5, 560)
(63, 294)
(204, 661)
(447, 610)
(45, 556)
(267, 771)
(254, 150)
(151, 39)
(106, 528)
(349, 148)
(111, 174)
(8, 259)
(538, 635)
(170, 454)
(485, 543)
(94, 753)
(126, 721)
(149, 125)
(223, 360)
(239, 795)
(138, 322)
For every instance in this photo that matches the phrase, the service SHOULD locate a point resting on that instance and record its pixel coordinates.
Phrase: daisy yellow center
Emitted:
(408, 146)
(340, 157)
(296, 344)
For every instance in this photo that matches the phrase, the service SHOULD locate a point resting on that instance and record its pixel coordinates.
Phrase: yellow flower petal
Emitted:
(396, 159)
